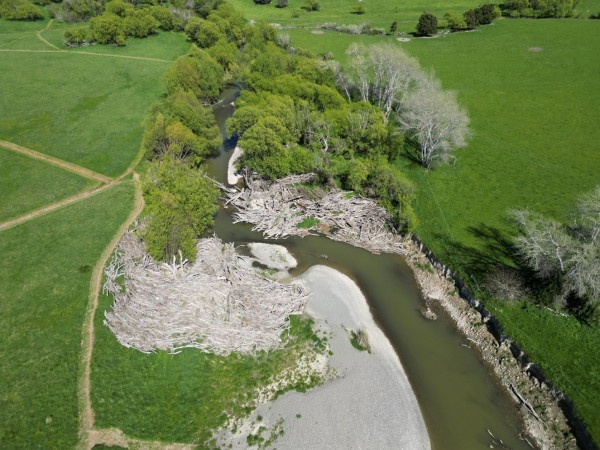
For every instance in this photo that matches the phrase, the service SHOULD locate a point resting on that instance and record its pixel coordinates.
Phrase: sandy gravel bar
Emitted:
(369, 405)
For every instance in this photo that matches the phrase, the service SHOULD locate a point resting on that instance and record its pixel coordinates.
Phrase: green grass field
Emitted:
(85, 109)
(379, 13)
(178, 398)
(534, 119)
(27, 184)
(45, 272)
(89, 109)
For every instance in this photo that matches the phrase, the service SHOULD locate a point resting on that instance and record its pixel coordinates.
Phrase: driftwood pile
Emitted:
(277, 208)
(218, 304)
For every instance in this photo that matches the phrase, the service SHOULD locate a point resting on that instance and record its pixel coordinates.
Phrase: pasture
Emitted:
(534, 122)
(27, 184)
(86, 107)
(45, 272)
(90, 108)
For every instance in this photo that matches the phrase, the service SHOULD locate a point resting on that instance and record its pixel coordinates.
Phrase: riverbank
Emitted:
(367, 403)
(538, 407)
(281, 209)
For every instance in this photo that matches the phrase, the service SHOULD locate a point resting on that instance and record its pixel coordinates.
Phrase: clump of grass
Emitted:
(309, 222)
(360, 341)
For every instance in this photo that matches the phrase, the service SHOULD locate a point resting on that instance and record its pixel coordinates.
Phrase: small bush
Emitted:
(311, 5)
(359, 10)
(262, 2)
(19, 10)
(282, 3)
(78, 36)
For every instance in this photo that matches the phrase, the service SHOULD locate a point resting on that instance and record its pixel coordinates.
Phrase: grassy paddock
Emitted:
(183, 397)
(534, 118)
(379, 13)
(89, 109)
(45, 272)
(27, 184)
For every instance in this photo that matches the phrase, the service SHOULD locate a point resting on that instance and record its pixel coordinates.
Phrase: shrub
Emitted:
(393, 27)
(199, 74)
(282, 3)
(262, 2)
(108, 29)
(164, 17)
(120, 8)
(140, 24)
(19, 10)
(79, 10)
(78, 36)
(296, 13)
(427, 25)
(359, 10)
(456, 21)
(311, 5)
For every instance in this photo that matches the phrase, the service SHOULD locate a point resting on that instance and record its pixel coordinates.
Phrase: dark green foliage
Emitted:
(79, 10)
(282, 3)
(181, 203)
(78, 36)
(427, 25)
(471, 19)
(262, 2)
(140, 23)
(108, 29)
(183, 127)
(393, 27)
(203, 32)
(120, 8)
(198, 73)
(540, 8)
(264, 150)
(19, 10)
(164, 17)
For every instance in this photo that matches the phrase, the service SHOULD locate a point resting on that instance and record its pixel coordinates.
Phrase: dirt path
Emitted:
(86, 413)
(41, 38)
(87, 173)
(74, 52)
(54, 206)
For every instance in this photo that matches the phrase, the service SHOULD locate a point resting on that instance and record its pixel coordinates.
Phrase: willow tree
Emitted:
(571, 253)
(435, 120)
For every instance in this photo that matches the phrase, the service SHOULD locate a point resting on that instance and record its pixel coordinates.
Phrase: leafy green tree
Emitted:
(264, 152)
(226, 54)
(205, 33)
(456, 21)
(199, 74)
(108, 29)
(140, 23)
(19, 10)
(471, 19)
(427, 25)
(181, 203)
(164, 17)
(78, 36)
(120, 8)
(79, 10)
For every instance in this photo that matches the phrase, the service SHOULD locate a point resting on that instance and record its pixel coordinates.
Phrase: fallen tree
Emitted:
(218, 304)
(287, 208)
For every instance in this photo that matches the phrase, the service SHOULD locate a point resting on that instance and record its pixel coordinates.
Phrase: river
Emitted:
(459, 398)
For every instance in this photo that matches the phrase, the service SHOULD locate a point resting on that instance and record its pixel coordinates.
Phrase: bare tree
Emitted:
(435, 119)
(570, 252)
(382, 73)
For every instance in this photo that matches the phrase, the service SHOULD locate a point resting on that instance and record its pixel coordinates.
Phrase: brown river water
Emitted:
(459, 398)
